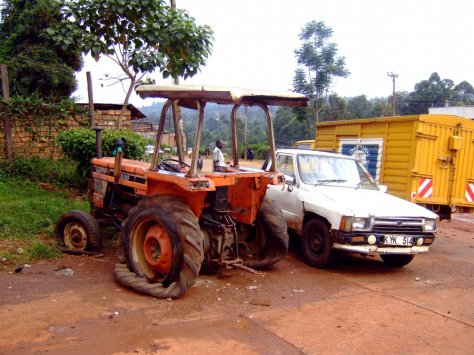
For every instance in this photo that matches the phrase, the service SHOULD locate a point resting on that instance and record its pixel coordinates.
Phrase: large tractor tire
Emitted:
(267, 240)
(163, 247)
(78, 231)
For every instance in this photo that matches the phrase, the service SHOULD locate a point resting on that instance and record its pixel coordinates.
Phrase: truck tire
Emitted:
(397, 260)
(163, 247)
(78, 231)
(316, 244)
(267, 241)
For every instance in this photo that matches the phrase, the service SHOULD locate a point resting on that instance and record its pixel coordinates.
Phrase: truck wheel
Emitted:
(77, 231)
(163, 245)
(397, 260)
(267, 241)
(315, 244)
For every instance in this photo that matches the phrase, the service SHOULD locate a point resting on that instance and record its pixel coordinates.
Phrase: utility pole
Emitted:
(393, 76)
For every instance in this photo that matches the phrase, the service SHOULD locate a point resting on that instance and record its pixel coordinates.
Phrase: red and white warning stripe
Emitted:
(425, 188)
(470, 192)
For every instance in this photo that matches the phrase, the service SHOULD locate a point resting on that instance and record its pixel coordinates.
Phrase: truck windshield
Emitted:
(328, 170)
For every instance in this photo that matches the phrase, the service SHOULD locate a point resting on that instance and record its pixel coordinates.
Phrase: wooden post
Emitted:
(6, 120)
(98, 131)
(91, 99)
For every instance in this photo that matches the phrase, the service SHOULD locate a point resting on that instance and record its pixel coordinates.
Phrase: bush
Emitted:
(79, 144)
(61, 172)
(260, 150)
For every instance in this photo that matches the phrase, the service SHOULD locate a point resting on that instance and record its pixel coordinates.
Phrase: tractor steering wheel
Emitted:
(167, 164)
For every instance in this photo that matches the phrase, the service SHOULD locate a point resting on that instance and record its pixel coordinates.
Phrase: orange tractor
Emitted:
(174, 220)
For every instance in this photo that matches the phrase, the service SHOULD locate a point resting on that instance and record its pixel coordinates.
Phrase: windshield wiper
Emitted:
(328, 181)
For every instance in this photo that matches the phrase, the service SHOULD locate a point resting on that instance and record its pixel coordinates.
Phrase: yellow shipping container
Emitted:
(425, 159)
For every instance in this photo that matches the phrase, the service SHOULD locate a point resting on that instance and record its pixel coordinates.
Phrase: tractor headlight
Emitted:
(350, 223)
(430, 225)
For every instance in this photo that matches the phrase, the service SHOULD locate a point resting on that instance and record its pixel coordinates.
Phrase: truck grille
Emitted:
(398, 225)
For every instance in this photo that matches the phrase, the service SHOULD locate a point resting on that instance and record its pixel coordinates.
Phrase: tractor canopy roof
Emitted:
(188, 94)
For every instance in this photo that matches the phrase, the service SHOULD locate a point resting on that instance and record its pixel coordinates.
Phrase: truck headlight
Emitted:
(350, 223)
(430, 225)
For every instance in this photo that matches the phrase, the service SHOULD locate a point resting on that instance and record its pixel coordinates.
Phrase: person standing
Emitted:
(218, 158)
(250, 154)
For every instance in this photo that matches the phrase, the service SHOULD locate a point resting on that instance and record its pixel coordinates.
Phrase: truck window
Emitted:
(316, 170)
(284, 164)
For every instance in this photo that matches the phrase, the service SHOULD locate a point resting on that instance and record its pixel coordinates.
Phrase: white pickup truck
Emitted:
(332, 202)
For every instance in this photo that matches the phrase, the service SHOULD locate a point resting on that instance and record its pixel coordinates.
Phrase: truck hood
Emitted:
(364, 203)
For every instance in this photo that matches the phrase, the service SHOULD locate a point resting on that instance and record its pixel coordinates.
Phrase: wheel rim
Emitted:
(316, 244)
(151, 250)
(75, 236)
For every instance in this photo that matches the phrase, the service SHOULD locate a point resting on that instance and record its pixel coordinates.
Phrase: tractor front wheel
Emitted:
(78, 231)
(163, 246)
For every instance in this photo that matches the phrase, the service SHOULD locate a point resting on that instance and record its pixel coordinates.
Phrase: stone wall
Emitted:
(31, 138)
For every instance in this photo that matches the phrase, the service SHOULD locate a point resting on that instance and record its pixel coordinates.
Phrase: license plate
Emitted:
(397, 240)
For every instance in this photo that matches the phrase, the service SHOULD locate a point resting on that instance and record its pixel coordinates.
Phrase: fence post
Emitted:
(6, 120)
(91, 99)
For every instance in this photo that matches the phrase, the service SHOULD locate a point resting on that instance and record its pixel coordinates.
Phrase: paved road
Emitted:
(357, 306)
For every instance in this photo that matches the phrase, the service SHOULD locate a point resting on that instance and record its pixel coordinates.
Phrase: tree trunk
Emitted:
(133, 80)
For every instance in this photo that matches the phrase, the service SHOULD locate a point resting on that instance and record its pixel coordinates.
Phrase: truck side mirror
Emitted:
(290, 181)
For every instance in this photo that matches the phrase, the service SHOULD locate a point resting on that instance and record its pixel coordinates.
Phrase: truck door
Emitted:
(288, 201)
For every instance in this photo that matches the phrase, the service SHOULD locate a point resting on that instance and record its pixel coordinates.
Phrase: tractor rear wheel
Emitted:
(78, 231)
(267, 240)
(163, 246)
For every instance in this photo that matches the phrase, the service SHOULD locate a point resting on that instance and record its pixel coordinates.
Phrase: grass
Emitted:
(27, 217)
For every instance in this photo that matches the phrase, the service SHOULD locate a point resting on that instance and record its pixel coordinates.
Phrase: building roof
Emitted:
(135, 113)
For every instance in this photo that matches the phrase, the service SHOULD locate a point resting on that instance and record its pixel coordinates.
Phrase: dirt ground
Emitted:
(73, 306)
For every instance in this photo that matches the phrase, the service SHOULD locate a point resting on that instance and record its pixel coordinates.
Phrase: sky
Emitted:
(255, 42)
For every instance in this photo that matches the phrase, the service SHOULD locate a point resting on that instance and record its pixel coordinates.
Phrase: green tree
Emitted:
(35, 64)
(434, 92)
(288, 128)
(381, 107)
(140, 36)
(321, 64)
(359, 107)
(465, 93)
(335, 109)
(401, 103)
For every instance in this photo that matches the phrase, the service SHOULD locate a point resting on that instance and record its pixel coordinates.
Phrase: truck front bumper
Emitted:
(376, 250)
(375, 243)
